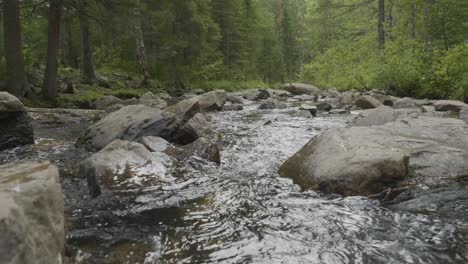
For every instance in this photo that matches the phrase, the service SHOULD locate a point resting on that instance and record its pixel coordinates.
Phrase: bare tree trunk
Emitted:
(280, 12)
(140, 48)
(427, 21)
(71, 53)
(381, 21)
(412, 21)
(87, 66)
(17, 81)
(50, 87)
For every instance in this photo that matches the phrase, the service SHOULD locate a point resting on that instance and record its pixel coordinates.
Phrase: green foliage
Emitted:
(450, 75)
(237, 44)
(401, 69)
(431, 63)
(337, 67)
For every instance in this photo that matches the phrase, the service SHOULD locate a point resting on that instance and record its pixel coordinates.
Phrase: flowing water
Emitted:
(244, 212)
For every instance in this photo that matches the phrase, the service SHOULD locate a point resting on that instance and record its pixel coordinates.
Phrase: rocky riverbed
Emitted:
(407, 159)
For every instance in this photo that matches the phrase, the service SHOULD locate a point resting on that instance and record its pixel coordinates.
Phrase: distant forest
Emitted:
(412, 48)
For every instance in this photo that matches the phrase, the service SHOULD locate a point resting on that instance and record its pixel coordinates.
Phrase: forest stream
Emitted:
(242, 211)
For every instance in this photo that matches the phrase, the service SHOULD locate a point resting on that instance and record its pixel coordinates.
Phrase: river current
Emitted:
(243, 212)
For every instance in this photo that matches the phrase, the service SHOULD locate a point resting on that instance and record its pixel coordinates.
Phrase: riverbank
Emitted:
(242, 210)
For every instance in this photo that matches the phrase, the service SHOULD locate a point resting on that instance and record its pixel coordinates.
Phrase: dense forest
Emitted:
(412, 48)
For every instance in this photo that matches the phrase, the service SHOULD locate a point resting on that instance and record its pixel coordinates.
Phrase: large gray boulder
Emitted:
(387, 100)
(367, 160)
(406, 103)
(305, 97)
(301, 88)
(450, 105)
(32, 222)
(193, 129)
(15, 126)
(347, 98)
(212, 101)
(186, 109)
(278, 93)
(367, 102)
(337, 162)
(235, 98)
(152, 100)
(121, 163)
(110, 103)
(309, 108)
(249, 94)
(129, 123)
(382, 115)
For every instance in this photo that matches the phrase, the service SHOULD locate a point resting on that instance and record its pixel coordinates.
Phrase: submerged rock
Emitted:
(366, 160)
(301, 113)
(339, 111)
(464, 114)
(129, 123)
(118, 163)
(324, 106)
(15, 126)
(204, 147)
(31, 214)
(272, 104)
(233, 107)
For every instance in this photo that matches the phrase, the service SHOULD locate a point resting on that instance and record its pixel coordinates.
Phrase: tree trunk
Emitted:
(87, 66)
(427, 21)
(50, 88)
(280, 12)
(71, 51)
(17, 81)
(381, 21)
(140, 48)
(412, 21)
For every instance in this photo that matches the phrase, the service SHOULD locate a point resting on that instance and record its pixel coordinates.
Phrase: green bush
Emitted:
(404, 68)
(347, 65)
(451, 73)
(401, 70)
